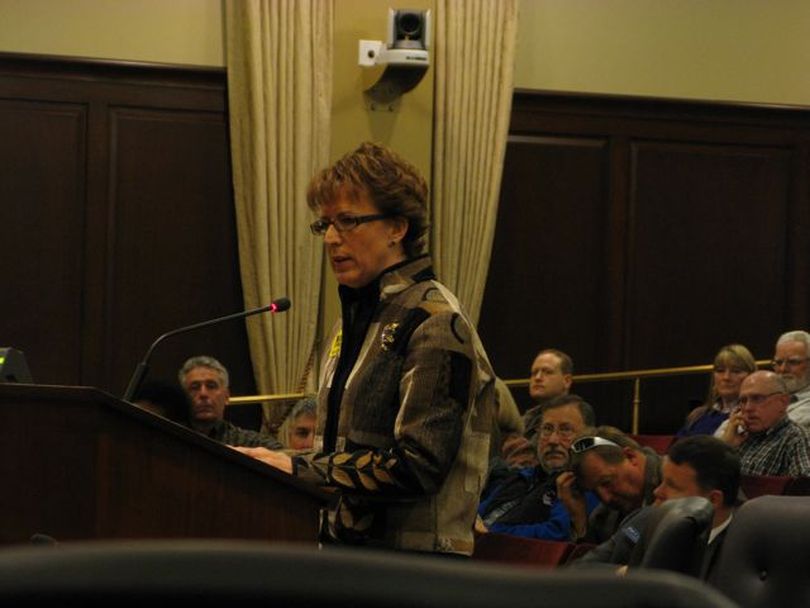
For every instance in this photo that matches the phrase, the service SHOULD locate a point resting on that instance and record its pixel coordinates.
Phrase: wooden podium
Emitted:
(78, 463)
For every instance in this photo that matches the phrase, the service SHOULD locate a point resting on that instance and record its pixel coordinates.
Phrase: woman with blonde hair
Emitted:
(732, 364)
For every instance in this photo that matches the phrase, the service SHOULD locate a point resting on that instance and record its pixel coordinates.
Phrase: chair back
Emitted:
(534, 552)
(761, 485)
(675, 536)
(765, 559)
(218, 573)
(659, 443)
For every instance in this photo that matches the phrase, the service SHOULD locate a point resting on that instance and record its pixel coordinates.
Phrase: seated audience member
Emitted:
(206, 382)
(791, 360)
(297, 432)
(731, 365)
(551, 375)
(769, 442)
(694, 466)
(623, 475)
(523, 502)
(165, 400)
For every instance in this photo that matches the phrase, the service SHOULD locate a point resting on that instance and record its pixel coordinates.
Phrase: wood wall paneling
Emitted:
(42, 189)
(687, 230)
(116, 184)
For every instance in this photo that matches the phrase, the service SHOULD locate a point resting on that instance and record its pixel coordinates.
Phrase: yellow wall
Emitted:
(407, 129)
(165, 31)
(736, 50)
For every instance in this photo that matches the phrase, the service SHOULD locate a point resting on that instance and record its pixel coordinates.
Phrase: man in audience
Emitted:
(700, 465)
(206, 382)
(551, 375)
(769, 442)
(791, 360)
(523, 502)
(297, 432)
(623, 475)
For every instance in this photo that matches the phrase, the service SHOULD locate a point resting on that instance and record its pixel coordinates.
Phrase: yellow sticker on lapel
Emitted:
(334, 350)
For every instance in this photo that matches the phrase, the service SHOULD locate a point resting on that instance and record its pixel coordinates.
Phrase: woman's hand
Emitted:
(278, 460)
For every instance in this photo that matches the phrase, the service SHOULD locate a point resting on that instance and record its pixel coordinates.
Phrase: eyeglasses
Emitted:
(792, 362)
(756, 399)
(344, 223)
(583, 444)
(565, 432)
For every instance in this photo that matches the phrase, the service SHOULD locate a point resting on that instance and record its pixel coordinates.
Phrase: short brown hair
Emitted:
(393, 184)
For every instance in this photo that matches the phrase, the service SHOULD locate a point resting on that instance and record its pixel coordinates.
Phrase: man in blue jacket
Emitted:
(523, 502)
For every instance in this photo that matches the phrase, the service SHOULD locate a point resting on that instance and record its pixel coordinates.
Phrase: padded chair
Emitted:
(766, 553)
(578, 551)
(761, 485)
(217, 573)
(675, 536)
(659, 443)
(797, 486)
(534, 552)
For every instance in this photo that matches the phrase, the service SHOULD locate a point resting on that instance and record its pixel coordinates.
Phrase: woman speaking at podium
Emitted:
(406, 398)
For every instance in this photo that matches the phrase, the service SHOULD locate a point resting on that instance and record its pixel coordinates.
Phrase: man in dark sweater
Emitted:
(523, 502)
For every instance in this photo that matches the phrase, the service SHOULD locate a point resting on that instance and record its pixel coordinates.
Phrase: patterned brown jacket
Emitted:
(414, 417)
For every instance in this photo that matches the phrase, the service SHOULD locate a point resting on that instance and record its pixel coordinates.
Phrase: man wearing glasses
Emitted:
(621, 473)
(769, 442)
(792, 361)
(523, 502)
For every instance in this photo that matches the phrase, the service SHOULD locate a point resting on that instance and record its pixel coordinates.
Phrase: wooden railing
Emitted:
(636, 376)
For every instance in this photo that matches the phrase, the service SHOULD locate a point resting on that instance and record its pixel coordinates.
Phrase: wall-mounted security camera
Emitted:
(408, 41)
(404, 54)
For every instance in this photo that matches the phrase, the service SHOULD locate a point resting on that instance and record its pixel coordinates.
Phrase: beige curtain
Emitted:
(474, 51)
(279, 87)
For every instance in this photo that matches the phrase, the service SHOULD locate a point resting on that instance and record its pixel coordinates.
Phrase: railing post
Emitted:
(636, 403)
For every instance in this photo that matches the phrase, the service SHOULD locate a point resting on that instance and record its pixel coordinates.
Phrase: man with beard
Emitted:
(523, 502)
(792, 361)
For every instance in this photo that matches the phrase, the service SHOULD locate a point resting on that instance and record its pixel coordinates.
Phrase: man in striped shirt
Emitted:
(769, 442)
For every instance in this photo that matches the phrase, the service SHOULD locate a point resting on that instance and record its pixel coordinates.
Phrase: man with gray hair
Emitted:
(792, 361)
(207, 383)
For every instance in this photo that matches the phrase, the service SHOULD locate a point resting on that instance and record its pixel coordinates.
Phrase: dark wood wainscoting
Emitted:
(639, 233)
(117, 219)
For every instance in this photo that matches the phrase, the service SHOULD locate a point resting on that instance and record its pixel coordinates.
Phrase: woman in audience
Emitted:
(731, 365)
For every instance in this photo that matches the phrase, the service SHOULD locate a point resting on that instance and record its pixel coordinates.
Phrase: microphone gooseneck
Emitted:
(277, 305)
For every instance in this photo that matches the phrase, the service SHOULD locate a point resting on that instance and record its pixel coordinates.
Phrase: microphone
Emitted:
(277, 305)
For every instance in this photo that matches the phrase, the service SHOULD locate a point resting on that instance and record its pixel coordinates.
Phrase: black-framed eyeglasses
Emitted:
(791, 362)
(583, 444)
(344, 223)
(565, 432)
(756, 399)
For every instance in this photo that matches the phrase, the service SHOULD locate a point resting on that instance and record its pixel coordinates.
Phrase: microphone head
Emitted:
(280, 305)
